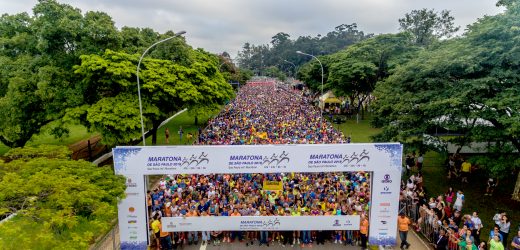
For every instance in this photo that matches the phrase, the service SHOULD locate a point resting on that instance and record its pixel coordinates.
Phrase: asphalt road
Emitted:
(416, 244)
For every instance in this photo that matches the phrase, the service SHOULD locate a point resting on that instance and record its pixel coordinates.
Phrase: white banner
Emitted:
(260, 223)
(257, 158)
(383, 159)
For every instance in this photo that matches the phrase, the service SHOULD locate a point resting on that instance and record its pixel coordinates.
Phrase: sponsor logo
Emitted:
(131, 194)
(384, 216)
(133, 237)
(384, 222)
(132, 232)
(382, 233)
(348, 223)
(384, 210)
(129, 183)
(386, 190)
(130, 227)
(131, 209)
(384, 204)
(171, 225)
(383, 229)
(336, 223)
(185, 224)
(132, 221)
(386, 179)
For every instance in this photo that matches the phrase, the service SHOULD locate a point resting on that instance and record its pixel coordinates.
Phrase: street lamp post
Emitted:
(321, 108)
(139, 86)
(295, 68)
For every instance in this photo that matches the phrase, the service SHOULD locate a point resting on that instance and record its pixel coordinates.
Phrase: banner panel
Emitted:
(257, 158)
(259, 223)
(272, 185)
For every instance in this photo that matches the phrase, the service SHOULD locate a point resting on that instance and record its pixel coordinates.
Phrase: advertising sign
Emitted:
(383, 159)
(260, 223)
(272, 185)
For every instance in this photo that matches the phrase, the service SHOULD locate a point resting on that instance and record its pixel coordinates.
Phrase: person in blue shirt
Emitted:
(494, 232)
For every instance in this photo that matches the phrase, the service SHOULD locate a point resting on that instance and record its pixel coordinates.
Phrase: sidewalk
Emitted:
(415, 242)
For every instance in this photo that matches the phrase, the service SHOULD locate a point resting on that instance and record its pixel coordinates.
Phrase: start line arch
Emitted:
(384, 160)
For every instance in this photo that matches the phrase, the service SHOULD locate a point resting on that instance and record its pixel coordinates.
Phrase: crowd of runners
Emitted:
(264, 113)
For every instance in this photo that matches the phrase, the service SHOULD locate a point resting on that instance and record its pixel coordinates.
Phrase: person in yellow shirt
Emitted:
(465, 170)
(156, 228)
(403, 224)
(363, 230)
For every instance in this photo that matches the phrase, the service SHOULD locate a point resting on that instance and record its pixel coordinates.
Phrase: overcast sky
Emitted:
(225, 25)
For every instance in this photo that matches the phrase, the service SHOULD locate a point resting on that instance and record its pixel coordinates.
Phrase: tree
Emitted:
(275, 72)
(467, 84)
(109, 85)
(310, 73)
(55, 198)
(355, 71)
(282, 47)
(38, 85)
(427, 25)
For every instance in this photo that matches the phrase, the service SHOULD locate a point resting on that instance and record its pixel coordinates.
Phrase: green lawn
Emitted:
(436, 183)
(77, 133)
(187, 123)
(359, 132)
(188, 126)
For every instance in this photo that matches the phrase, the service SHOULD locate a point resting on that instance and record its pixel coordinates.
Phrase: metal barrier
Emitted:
(426, 223)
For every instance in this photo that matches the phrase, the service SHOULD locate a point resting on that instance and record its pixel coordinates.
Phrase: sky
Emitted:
(225, 25)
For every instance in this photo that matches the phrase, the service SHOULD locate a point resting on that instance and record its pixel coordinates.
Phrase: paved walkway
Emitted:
(415, 244)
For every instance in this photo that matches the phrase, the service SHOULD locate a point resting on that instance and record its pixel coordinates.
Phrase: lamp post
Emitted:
(295, 68)
(321, 108)
(139, 86)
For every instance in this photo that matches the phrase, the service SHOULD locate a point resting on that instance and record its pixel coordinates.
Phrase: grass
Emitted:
(77, 133)
(187, 122)
(359, 132)
(188, 126)
(436, 183)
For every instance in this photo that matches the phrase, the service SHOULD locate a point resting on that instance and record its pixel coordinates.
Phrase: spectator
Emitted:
(477, 227)
(495, 243)
(442, 241)
(465, 171)
(491, 185)
(167, 136)
(459, 201)
(420, 161)
(504, 226)
(516, 241)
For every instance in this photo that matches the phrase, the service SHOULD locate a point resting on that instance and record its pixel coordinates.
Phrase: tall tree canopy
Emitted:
(109, 86)
(38, 81)
(467, 84)
(427, 26)
(355, 71)
(282, 47)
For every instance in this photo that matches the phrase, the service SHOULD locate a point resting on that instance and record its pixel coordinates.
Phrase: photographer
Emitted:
(504, 226)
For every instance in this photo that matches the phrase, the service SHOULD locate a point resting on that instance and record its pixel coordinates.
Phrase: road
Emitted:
(416, 244)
